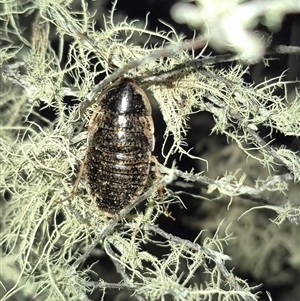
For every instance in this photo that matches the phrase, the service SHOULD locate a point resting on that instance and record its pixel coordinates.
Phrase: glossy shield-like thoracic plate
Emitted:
(120, 142)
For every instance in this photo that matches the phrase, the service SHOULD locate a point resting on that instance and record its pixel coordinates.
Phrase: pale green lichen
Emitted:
(42, 236)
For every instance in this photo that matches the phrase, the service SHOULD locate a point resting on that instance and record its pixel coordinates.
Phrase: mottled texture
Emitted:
(120, 142)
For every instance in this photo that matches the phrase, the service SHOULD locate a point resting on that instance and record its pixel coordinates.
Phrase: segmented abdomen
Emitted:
(120, 142)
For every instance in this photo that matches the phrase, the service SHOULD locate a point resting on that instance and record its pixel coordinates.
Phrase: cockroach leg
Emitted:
(160, 189)
(79, 176)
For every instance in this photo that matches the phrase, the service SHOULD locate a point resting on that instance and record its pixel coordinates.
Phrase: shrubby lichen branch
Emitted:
(46, 242)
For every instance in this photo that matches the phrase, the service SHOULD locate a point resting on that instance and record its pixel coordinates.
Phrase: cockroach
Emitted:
(120, 142)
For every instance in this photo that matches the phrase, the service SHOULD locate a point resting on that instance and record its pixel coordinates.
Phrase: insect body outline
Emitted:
(120, 141)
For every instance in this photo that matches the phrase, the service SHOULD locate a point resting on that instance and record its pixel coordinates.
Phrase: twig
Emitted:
(216, 257)
(204, 181)
(256, 138)
(12, 73)
(104, 231)
(242, 191)
(169, 50)
(283, 49)
(119, 268)
(213, 60)
(97, 284)
(198, 63)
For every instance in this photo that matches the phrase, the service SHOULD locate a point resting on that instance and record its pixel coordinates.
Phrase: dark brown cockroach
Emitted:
(119, 146)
